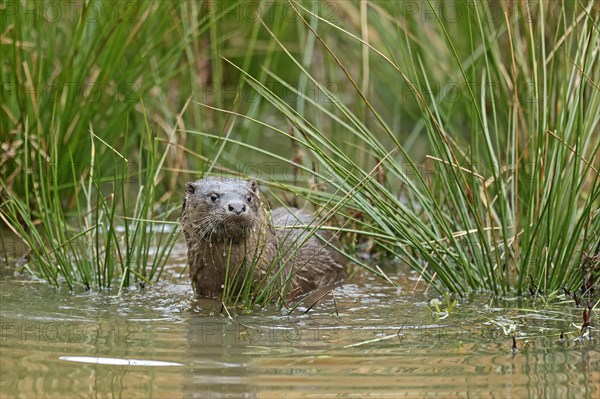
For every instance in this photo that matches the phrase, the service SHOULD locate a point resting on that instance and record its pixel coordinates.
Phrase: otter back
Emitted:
(309, 258)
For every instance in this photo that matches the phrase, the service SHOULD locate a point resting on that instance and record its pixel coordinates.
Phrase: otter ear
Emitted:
(253, 186)
(190, 188)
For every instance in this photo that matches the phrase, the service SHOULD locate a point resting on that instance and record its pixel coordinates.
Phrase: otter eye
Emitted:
(248, 198)
(214, 197)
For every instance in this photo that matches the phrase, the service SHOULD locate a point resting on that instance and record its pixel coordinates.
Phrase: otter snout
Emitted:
(236, 207)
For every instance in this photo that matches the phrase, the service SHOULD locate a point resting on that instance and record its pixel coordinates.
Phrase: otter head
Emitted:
(220, 209)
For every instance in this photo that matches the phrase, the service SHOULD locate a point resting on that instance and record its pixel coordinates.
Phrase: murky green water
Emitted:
(158, 343)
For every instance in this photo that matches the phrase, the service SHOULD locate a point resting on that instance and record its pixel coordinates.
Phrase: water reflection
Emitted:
(118, 362)
(57, 344)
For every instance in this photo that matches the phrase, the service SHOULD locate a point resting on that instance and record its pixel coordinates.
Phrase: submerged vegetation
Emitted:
(460, 137)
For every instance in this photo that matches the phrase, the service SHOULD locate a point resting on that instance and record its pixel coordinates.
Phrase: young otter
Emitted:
(227, 231)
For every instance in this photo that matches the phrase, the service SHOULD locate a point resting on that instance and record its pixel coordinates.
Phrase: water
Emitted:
(159, 343)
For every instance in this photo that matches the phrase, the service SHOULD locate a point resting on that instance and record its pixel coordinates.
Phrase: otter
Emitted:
(230, 236)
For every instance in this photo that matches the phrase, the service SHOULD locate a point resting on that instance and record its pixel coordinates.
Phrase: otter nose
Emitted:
(237, 208)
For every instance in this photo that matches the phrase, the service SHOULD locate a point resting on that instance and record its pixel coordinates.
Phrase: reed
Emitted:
(459, 137)
(106, 238)
(507, 198)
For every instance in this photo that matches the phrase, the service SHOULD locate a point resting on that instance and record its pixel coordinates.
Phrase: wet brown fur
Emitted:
(236, 230)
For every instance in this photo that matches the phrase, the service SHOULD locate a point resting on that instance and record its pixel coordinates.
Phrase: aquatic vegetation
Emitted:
(508, 196)
(463, 143)
(442, 310)
(105, 239)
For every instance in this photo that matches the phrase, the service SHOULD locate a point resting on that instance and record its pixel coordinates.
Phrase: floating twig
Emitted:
(317, 301)
(335, 303)
(587, 321)
(577, 300)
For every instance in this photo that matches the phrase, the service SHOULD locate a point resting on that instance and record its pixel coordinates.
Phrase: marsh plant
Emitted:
(508, 195)
(459, 137)
(106, 238)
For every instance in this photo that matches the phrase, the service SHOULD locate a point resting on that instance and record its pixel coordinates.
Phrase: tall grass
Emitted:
(461, 137)
(106, 239)
(81, 170)
(508, 198)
